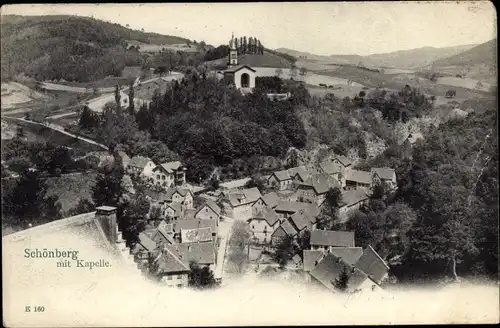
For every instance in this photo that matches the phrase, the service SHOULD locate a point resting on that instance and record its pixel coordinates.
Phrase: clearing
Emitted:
(14, 94)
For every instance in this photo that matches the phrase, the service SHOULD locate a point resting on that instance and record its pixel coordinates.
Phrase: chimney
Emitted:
(106, 216)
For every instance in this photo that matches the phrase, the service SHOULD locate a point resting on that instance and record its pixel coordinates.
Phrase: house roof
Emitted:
(305, 218)
(291, 207)
(329, 269)
(202, 253)
(282, 175)
(303, 172)
(267, 214)
(321, 183)
(193, 224)
(168, 262)
(125, 158)
(310, 258)
(372, 264)
(332, 238)
(330, 167)
(170, 167)
(197, 235)
(352, 197)
(346, 161)
(243, 197)
(146, 242)
(358, 176)
(189, 213)
(165, 230)
(296, 259)
(349, 254)
(237, 68)
(271, 199)
(284, 229)
(139, 161)
(356, 278)
(157, 196)
(384, 173)
(211, 204)
(177, 207)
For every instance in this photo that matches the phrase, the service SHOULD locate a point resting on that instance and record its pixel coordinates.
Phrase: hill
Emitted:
(482, 54)
(405, 59)
(70, 47)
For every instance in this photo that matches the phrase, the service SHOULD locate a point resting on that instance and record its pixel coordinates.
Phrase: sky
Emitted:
(360, 28)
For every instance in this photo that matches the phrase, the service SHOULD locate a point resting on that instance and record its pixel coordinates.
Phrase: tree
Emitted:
(303, 71)
(341, 282)
(108, 187)
(20, 132)
(278, 72)
(256, 181)
(284, 251)
(28, 201)
(88, 119)
(200, 277)
(305, 240)
(117, 97)
(131, 104)
(245, 45)
(238, 258)
(84, 206)
(293, 159)
(214, 182)
(328, 218)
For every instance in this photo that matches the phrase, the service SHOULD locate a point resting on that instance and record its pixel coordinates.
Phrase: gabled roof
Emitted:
(332, 238)
(237, 68)
(305, 218)
(271, 199)
(346, 161)
(202, 253)
(330, 167)
(139, 161)
(177, 207)
(194, 224)
(169, 263)
(125, 158)
(198, 235)
(302, 171)
(321, 183)
(352, 197)
(267, 214)
(292, 207)
(284, 229)
(310, 258)
(164, 230)
(358, 176)
(296, 259)
(384, 173)
(282, 175)
(349, 254)
(170, 167)
(211, 204)
(329, 269)
(372, 264)
(243, 197)
(146, 242)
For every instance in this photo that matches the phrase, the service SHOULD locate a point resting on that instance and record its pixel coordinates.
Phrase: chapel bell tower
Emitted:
(233, 53)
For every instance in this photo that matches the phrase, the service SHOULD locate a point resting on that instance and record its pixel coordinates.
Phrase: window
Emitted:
(206, 210)
(169, 277)
(158, 177)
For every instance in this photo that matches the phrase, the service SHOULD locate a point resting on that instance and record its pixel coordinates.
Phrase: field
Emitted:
(145, 47)
(14, 94)
(70, 188)
(110, 82)
(466, 83)
(265, 60)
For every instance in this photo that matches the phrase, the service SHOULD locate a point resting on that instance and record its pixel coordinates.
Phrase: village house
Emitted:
(163, 234)
(196, 235)
(209, 211)
(352, 200)
(173, 211)
(263, 223)
(328, 239)
(356, 179)
(344, 161)
(172, 271)
(334, 170)
(373, 265)
(288, 179)
(141, 166)
(169, 174)
(385, 175)
(286, 209)
(238, 203)
(305, 219)
(202, 254)
(314, 189)
(284, 230)
(186, 224)
(143, 249)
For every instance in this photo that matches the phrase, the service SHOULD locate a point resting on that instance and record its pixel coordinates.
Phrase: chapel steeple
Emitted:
(233, 53)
